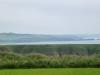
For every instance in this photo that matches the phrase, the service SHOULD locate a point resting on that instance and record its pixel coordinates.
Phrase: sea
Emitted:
(54, 42)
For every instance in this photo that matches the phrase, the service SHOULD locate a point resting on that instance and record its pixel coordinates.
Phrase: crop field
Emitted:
(64, 71)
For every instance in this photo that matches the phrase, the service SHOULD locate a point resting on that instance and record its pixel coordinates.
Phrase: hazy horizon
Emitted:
(50, 16)
(50, 34)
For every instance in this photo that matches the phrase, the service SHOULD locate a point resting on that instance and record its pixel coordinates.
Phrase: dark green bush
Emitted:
(10, 60)
(50, 56)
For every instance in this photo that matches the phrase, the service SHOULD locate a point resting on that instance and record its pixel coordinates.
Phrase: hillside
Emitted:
(26, 38)
(49, 56)
(54, 50)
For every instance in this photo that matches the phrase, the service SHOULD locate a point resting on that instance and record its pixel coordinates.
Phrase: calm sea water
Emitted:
(55, 42)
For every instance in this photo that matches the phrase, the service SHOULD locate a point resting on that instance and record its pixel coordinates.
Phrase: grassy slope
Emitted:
(71, 71)
(79, 49)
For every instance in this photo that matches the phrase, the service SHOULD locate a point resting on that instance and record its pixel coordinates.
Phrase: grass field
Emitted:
(69, 71)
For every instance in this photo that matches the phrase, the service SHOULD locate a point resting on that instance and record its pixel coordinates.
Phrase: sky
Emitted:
(50, 16)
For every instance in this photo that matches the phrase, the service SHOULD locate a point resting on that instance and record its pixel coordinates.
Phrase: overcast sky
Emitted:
(50, 16)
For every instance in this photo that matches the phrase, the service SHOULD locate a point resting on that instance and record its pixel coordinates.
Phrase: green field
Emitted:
(69, 71)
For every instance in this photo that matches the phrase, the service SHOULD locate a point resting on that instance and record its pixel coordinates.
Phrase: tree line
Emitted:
(50, 56)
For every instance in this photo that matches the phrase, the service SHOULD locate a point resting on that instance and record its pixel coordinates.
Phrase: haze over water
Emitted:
(55, 42)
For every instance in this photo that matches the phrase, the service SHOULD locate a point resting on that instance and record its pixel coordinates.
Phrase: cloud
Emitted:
(42, 16)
